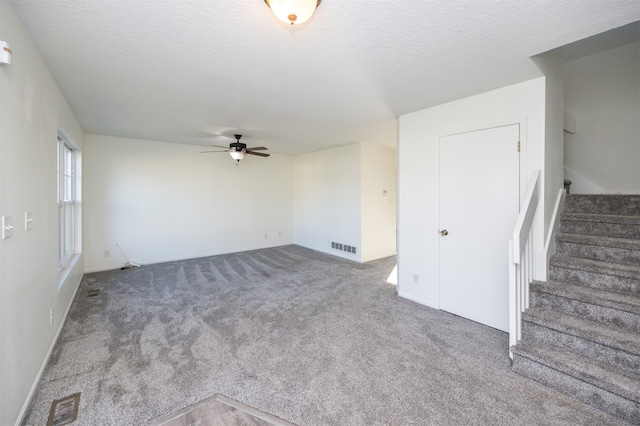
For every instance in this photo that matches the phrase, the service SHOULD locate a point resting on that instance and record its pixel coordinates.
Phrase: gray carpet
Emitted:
(307, 337)
(582, 332)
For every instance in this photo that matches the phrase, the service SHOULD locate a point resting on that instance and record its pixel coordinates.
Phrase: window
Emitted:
(66, 202)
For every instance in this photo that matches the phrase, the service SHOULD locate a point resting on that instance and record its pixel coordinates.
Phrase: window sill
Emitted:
(64, 272)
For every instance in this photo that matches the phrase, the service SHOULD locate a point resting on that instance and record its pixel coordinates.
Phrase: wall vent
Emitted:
(343, 247)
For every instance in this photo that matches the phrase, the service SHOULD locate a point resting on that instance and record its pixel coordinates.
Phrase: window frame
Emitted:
(66, 176)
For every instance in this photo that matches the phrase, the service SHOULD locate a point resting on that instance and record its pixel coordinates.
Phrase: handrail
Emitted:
(525, 218)
(521, 261)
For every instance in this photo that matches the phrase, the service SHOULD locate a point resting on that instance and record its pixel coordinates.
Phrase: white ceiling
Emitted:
(181, 70)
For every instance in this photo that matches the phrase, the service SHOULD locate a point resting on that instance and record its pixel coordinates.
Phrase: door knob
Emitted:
(444, 232)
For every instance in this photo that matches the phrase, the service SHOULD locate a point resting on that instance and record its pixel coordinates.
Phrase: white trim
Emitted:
(65, 146)
(199, 256)
(521, 260)
(417, 300)
(525, 221)
(622, 191)
(66, 271)
(67, 139)
(522, 185)
(550, 243)
(437, 241)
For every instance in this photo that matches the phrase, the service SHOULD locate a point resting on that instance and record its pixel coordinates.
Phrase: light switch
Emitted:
(27, 221)
(7, 227)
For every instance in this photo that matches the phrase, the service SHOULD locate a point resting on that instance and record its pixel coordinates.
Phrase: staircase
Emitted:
(581, 334)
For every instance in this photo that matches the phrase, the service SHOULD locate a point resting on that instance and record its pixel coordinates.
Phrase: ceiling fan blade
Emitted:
(220, 146)
(260, 154)
(205, 152)
(257, 148)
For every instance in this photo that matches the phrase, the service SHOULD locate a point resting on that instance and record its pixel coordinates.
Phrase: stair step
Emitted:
(582, 334)
(603, 249)
(615, 309)
(615, 226)
(627, 205)
(603, 387)
(619, 349)
(596, 274)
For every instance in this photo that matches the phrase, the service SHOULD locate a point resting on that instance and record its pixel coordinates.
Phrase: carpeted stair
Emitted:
(581, 334)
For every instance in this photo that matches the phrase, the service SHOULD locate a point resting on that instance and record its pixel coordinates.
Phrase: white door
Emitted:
(479, 202)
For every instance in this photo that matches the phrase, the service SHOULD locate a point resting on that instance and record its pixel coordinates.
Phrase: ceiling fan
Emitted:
(238, 150)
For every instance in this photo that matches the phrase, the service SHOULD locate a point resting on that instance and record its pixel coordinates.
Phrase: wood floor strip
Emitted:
(221, 411)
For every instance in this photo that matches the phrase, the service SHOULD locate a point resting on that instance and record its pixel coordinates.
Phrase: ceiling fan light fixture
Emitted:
(293, 12)
(237, 155)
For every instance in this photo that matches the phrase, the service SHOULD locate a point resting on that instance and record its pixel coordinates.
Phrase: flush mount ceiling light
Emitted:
(293, 11)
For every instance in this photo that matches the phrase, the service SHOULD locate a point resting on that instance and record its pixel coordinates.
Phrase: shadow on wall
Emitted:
(580, 184)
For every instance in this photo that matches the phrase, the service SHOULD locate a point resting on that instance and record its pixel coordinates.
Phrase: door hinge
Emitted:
(518, 146)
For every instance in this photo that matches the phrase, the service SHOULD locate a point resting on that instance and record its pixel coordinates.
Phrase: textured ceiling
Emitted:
(180, 70)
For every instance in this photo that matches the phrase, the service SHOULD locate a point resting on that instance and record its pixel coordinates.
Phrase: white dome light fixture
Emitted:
(293, 11)
(237, 155)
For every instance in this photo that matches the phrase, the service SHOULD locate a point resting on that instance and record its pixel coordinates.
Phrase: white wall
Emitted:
(165, 201)
(327, 200)
(580, 184)
(602, 91)
(339, 197)
(31, 110)
(378, 197)
(522, 103)
(552, 65)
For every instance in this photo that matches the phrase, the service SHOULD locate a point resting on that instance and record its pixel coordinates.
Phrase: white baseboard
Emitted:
(177, 259)
(418, 300)
(622, 191)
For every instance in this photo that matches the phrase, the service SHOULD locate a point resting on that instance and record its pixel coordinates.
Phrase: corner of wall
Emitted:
(550, 243)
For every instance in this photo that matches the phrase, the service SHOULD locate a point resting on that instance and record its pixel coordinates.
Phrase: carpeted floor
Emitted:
(307, 337)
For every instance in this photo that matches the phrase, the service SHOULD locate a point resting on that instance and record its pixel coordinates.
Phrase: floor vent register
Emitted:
(64, 410)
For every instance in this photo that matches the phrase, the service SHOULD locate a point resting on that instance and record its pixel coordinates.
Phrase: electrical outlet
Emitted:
(107, 253)
(416, 279)
(266, 236)
(51, 316)
(279, 234)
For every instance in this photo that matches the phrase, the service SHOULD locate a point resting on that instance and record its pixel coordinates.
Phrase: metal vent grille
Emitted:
(93, 293)
(343, 247)
(64, 410)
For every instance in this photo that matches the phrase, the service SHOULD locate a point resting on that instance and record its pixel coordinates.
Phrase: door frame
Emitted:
(522, 122)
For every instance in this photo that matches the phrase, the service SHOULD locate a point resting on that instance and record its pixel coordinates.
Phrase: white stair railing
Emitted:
(521, 261)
